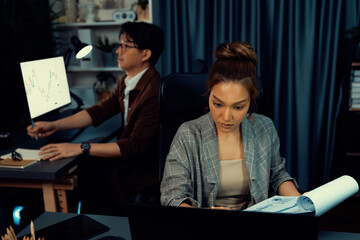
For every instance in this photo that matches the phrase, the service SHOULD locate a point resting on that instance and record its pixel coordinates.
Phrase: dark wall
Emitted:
(25, 35)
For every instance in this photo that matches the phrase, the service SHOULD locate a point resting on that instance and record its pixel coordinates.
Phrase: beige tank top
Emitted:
(233, 189)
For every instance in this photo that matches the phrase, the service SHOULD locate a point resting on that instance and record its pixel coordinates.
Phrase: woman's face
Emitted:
(229, 103)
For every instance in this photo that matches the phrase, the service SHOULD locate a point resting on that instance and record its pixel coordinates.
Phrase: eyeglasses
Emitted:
(124, 46)
(16, 156)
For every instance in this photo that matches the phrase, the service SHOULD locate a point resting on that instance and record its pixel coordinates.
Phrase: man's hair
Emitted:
(145, 36)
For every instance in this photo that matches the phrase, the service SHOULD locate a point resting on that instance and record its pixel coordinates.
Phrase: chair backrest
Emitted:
(182, 98)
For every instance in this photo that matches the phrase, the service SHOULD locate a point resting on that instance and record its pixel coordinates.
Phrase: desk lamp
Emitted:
(81, 50)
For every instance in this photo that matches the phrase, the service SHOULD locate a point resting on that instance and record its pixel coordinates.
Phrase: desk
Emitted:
(51, 177)
(119, 226)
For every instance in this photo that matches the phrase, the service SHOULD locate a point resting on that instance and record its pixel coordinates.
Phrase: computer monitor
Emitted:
(160, 222)
(46, 85)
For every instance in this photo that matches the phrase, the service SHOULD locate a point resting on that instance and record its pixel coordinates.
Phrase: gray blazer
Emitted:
(191, 171)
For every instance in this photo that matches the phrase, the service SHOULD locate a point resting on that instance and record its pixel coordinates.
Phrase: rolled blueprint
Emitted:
(328, 195)
(317, 201)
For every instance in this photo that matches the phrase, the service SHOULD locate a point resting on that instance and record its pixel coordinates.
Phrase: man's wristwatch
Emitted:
(85, 147)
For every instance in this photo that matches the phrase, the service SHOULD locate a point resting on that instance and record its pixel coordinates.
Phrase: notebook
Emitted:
(29, 156)
(9, 163)
(159, 222)
(26, 154)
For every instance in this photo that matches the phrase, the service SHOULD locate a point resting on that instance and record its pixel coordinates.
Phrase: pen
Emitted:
(33, 125)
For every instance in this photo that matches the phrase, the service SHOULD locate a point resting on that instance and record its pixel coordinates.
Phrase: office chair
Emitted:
(182, 98)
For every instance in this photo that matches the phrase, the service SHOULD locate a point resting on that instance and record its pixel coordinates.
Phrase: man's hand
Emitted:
(60, 150)
(42, 129)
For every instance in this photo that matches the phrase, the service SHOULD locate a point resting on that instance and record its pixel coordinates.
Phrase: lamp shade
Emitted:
(81, 49)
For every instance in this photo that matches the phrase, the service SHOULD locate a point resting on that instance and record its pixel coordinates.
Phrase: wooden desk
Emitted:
(54, 178)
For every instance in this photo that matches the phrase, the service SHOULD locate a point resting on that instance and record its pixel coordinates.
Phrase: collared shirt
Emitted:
(191, 171)
(130, 85)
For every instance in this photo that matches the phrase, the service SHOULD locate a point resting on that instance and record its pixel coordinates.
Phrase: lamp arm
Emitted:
(67, 57)
(78, 101)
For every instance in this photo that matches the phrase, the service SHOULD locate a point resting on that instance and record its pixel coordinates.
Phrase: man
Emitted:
(127, 165)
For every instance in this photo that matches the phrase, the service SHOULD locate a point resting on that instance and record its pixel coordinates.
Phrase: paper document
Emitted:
(26, 154)
(319, 200)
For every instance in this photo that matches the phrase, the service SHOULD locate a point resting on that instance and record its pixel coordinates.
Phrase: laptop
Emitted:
(159, 222)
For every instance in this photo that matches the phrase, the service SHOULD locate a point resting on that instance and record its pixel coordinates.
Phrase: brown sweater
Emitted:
(139, 138)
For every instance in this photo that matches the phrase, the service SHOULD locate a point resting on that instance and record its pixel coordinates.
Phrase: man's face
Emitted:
(129, 56)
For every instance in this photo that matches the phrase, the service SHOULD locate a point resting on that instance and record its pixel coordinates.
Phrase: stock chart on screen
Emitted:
(46, 85)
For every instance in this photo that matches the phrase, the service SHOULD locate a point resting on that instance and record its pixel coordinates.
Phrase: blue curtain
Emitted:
(297, 44)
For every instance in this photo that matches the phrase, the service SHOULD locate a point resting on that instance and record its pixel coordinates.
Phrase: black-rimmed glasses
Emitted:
(124, 46)
(16, 156)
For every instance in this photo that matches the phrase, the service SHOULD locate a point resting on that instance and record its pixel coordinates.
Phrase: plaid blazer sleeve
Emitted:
(176, 186)
(262, 157)
(191, 169)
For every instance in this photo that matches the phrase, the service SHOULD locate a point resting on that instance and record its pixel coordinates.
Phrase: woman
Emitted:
(227, 158)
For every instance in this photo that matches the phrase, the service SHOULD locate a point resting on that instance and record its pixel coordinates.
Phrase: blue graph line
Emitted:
(282, 210)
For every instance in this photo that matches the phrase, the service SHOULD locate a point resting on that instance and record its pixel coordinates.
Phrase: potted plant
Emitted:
(107, 50)
(104, 84)
(142, 10)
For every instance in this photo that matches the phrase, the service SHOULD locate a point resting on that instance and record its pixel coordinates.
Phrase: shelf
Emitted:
(354, 109)
(94, 69)
(91, 25)
(87, 25)
(355, 64)
(354, 154)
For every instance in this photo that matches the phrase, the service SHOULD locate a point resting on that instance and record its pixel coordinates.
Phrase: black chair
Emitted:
(183, 97)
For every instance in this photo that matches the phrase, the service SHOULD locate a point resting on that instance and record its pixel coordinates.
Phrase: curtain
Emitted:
(297, 44)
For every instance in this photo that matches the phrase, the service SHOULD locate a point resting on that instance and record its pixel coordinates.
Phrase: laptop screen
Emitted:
(75, 228)
(45, 84)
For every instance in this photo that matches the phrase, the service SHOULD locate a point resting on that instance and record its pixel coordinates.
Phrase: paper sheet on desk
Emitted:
(319, 200)
(27, 154)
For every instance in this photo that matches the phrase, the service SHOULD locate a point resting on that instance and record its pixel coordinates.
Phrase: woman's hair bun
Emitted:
(236, 50)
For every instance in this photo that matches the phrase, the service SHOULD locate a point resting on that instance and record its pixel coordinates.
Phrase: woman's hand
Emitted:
(42, 129)
(183, 204)
(220, 208)
(288, 188)
(60, 150)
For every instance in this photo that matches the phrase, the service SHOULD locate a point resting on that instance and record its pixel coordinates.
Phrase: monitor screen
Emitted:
(45, 84)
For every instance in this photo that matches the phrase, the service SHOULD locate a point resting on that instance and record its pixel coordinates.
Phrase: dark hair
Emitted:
(236, 62)
(145, 36)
